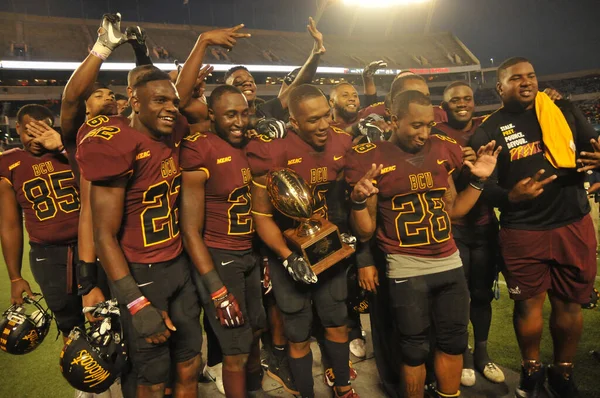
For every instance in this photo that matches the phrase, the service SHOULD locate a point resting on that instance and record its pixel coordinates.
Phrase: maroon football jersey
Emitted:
(227, 221)
(320, 169)
(480, 214)
(46, 191)
(412, 219)
(110, 149)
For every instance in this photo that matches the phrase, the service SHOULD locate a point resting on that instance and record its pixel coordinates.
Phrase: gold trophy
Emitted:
(315, 238)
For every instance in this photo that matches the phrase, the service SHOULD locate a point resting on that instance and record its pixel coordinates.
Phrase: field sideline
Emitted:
(36, 375)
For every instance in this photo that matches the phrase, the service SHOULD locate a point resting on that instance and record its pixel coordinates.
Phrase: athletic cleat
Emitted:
(531, 385)
(348, 394)
(467, 378)
(329, 377)
(358, 348)
(279, 370)
(215, 374)
(561, 386)
(493, 373)
(109, 33)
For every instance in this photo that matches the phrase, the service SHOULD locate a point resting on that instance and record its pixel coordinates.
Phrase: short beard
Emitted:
(344, 114)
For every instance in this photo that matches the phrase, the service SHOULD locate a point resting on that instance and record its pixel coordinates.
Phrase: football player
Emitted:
(37, 182)
(411, 195)
(476, 236)
(316, 152)
(547, 238)
(218, 232)
(135, 179)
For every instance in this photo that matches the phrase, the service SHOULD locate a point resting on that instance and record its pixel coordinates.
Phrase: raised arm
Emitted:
(309, 69)
(193, 108)
(80, 85)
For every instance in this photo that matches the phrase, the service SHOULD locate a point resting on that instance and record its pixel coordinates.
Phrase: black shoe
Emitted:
(561, 386)
(279, 370)
(531, 385)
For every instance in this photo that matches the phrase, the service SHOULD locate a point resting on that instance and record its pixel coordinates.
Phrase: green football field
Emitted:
(37, 375)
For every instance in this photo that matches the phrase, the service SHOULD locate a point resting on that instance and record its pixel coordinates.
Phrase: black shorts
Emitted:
(295, 299)
(49, 268)
(240, 273)
(442, 297)
(169, 287)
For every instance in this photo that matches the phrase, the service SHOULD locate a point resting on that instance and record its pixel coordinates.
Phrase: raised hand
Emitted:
(590, 160)
(45, 135)
(109, 32)
(530, 187)
(317, 36)
(365, 187)
(373, 67)
(226, 38)
(486, 161)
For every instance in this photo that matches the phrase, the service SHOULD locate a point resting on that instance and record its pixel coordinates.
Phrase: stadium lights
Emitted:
(124, 66)
(381, 3)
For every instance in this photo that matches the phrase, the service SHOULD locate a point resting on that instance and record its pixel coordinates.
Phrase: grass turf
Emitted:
(37, 375)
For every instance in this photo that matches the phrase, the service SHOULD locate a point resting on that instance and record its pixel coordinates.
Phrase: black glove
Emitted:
(373, 67)
(290, 77)
(299, 269)
(148, 321)
(271, 128)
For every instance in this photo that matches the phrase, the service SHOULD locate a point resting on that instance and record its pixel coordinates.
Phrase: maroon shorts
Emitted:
(561, 260)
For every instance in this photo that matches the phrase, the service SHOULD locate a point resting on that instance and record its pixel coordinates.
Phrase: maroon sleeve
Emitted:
(264, 154)
(182, 128)
(358, 162)
(439, 114)
(107, 155)
(195, 150)
(4, 167)
(450, 149)
(377, 108)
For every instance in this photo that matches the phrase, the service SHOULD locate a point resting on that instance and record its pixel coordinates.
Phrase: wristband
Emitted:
(364, 256)
(359, 205)
(126, 289)
(212, 281)
(101, 51)
(222, 292)
(86, 274)
(477, 184)
(16, 280)
(136, 305)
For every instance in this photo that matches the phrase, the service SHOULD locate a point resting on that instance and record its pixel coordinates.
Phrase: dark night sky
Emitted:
(557, 35)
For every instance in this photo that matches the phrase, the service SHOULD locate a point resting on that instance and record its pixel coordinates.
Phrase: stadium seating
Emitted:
(266, 47)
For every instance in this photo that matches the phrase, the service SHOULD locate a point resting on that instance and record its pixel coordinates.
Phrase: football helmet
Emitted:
(95, 356)
(24, 327)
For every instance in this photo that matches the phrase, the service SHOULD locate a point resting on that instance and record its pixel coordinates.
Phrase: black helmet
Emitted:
(357, 296)
(95, 356)
(24, 327)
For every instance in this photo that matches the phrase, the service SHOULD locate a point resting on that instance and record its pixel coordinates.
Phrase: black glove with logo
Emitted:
(299, 269)
(271, 128)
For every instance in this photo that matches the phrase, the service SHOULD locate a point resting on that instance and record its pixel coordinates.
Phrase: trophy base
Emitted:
(323, 249)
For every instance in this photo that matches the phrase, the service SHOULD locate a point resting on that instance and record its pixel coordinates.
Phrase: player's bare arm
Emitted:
(193, 71)
(309, 69)
(363, 216)
(11, 238)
